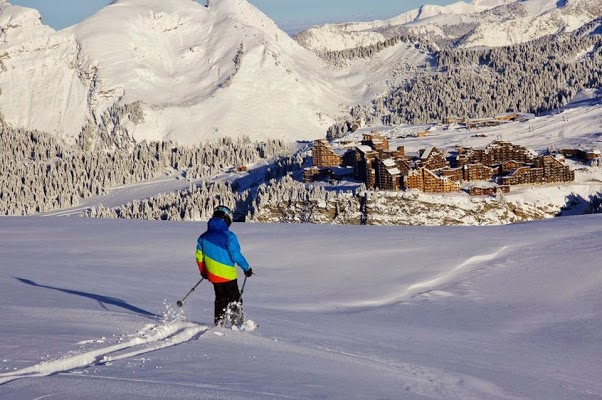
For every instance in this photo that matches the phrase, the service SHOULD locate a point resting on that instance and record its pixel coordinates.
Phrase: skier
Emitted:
(217, 252)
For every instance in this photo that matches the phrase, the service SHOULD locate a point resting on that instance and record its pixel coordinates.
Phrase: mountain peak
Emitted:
(20, 23)
(244, 12)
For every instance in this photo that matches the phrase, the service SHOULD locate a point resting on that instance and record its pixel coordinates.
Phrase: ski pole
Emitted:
(242, 289)
(181, 302)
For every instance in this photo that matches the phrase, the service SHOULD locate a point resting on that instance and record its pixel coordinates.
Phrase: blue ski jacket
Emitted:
(218, 251)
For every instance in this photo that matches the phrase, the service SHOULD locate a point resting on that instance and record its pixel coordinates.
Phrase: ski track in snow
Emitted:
(149, 339)
(430, 285)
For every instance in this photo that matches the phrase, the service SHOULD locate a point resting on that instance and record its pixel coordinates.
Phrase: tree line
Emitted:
(39, 172)
(198, 201)
(399, 35)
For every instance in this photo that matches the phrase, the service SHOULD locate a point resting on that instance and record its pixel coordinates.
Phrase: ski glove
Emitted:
(249, 272)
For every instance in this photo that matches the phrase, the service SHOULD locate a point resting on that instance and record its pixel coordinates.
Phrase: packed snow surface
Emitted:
(345, 312)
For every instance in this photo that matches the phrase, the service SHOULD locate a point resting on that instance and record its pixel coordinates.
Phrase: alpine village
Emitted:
(477, 171)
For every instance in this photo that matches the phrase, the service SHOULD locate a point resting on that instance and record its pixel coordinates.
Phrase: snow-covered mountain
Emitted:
(480, 23)
(196, 72)
(177, 70)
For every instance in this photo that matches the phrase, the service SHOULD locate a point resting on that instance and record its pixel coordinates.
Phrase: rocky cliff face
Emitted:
(414, 208)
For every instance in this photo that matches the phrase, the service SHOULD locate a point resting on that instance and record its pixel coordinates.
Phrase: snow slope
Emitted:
(199, 73)
(511, 312)
(578, 124)
(41, 86)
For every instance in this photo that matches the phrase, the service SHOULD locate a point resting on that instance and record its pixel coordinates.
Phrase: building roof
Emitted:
(389, 162)
(364, 148)
(427, 152)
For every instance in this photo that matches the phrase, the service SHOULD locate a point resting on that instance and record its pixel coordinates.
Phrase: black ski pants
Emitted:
(225, 293)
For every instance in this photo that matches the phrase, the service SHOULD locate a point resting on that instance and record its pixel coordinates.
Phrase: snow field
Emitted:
(344, 311)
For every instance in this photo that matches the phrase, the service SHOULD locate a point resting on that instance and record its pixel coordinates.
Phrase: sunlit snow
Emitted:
(344, 312)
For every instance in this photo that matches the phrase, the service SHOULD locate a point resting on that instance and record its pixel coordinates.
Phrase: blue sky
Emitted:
(290, 15)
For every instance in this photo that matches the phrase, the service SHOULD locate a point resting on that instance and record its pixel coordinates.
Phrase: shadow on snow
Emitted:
(102, 300)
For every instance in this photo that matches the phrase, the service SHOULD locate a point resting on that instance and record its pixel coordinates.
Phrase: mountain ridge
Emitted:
(498, 23)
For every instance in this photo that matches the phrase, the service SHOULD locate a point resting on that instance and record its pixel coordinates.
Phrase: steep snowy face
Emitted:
(20, 24)
(430, 11)
(335, 37)
(40, 83)
(163, 53)
(198, 72)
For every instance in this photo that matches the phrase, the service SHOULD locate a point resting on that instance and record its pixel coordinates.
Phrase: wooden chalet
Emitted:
(590, 155)
(477, 172)
(554, 170)
(331, 174)
(314, 174)
(450, 120)
(454, 174)
(323, 155)
(388, 176)
(428, 181)
(523, 175)
(483, 190)
(497, 152)
(483, 122)
(432, 158)
(363, 167)
(546, 169)
(403, 165)
(509, 166)
(376, 141)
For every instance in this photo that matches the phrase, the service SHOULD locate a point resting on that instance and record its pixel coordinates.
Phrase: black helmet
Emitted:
(224, 213)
